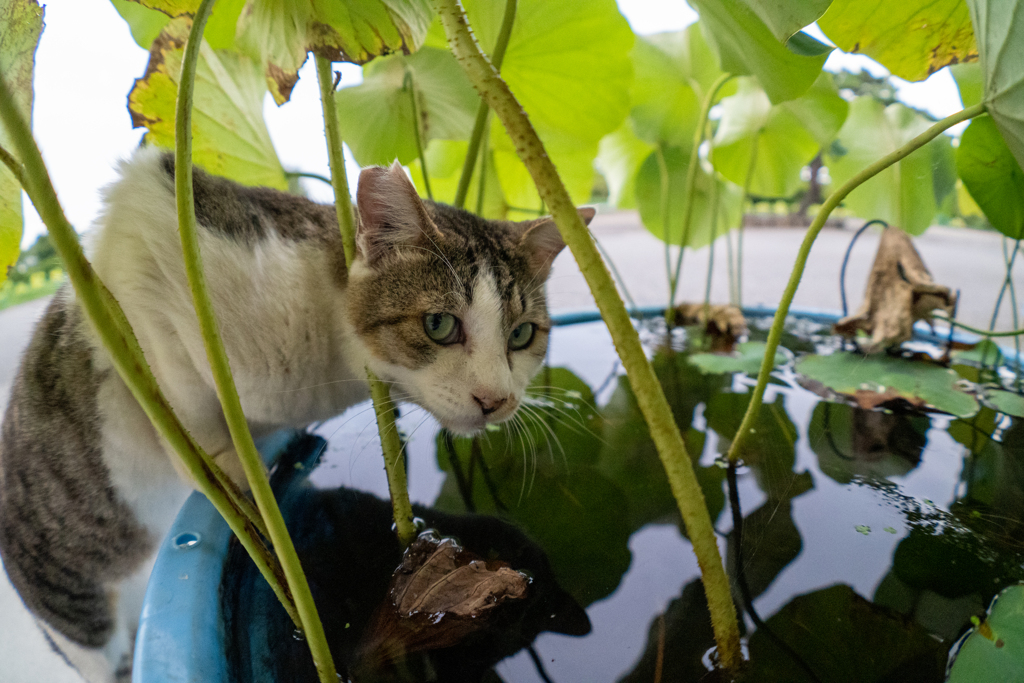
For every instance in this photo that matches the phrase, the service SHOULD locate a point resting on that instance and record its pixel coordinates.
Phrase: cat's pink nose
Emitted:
(489, 403)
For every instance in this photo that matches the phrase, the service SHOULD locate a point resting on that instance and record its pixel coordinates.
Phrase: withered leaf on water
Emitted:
(900, 292)
(443, 578)
(723, 323)
(439, 595)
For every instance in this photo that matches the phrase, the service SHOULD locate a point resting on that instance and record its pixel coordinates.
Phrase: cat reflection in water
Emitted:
(447, 307)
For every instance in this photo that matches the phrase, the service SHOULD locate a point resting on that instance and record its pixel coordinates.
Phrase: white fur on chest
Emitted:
(276, 302)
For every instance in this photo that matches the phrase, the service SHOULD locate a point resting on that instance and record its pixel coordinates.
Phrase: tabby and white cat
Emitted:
(447, 306)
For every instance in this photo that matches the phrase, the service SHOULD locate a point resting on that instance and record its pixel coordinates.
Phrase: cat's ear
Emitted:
(391, 214)
(542, 241)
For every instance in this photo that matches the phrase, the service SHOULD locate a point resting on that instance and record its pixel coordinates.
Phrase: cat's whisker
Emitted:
(535, 414)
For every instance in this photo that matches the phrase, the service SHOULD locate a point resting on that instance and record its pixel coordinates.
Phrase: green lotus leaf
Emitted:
(778, 140)
(992, 176)
(144, 23)
(912, 39)
(747, 359)
(21, 22)
(279, 34)
(994, 650)
(573, 158)
(673, 73)
(649, 200)
(746, 46)
(230, 137)
(172, 8)
(618, 159)
(903, 194)
(999, 30)
(376, 116)
(917, 382)
(968, 79)
(444, 165)
(786, 18)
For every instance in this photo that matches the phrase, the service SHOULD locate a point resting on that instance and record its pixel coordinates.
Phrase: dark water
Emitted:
(869, 538)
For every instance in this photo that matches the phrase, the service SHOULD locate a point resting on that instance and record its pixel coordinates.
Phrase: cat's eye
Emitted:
(521, 336)
(444, 328)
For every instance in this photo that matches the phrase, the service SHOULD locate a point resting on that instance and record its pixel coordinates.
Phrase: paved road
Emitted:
(965, 259)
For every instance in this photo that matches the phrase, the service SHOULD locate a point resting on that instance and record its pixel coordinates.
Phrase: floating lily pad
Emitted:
(747, 358)
(994, 650)
(1006, 402)
(876, 380)
(986, 352)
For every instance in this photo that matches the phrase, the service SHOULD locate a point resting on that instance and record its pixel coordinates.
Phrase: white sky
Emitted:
(87, 62)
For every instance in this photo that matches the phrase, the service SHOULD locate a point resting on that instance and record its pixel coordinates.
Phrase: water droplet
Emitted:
(298, 635)
(186, 540)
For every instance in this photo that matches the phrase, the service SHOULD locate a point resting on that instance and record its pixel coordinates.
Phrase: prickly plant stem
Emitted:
(743, 215)
(336, 158)
(108, 320)
(394, 464)
(394, 460)
(409, 82)
(691, 185)
(13, 165)
(775, 333)
(479, 125)
(245, 449)
(649, 394)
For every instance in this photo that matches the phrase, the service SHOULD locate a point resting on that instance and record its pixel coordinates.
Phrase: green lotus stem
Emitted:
(312, 176)
(743, 216)
(407, 82)
(13, 165)
(714, 229)
(775, 334)
(393, 462)
(217, 356)
(504, 33)
(481, 183)
(336, 158)
(711, 247)
(691, 184)
(733, 299)
(977, 331)
(649, 394)
(663, 207)
(108, 320)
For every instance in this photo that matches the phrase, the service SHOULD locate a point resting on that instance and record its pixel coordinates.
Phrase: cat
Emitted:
(446, 306)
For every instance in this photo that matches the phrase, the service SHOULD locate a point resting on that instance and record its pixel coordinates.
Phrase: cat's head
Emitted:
(447, 305)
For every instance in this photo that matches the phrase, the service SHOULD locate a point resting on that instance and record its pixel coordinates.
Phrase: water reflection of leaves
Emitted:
(349, 552)
(843, 637)
(542, 476)
(630, 458)
(853, 442)
(677, 640)
(772, 453)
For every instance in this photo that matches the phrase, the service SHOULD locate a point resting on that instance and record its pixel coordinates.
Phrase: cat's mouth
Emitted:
(471, 424)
